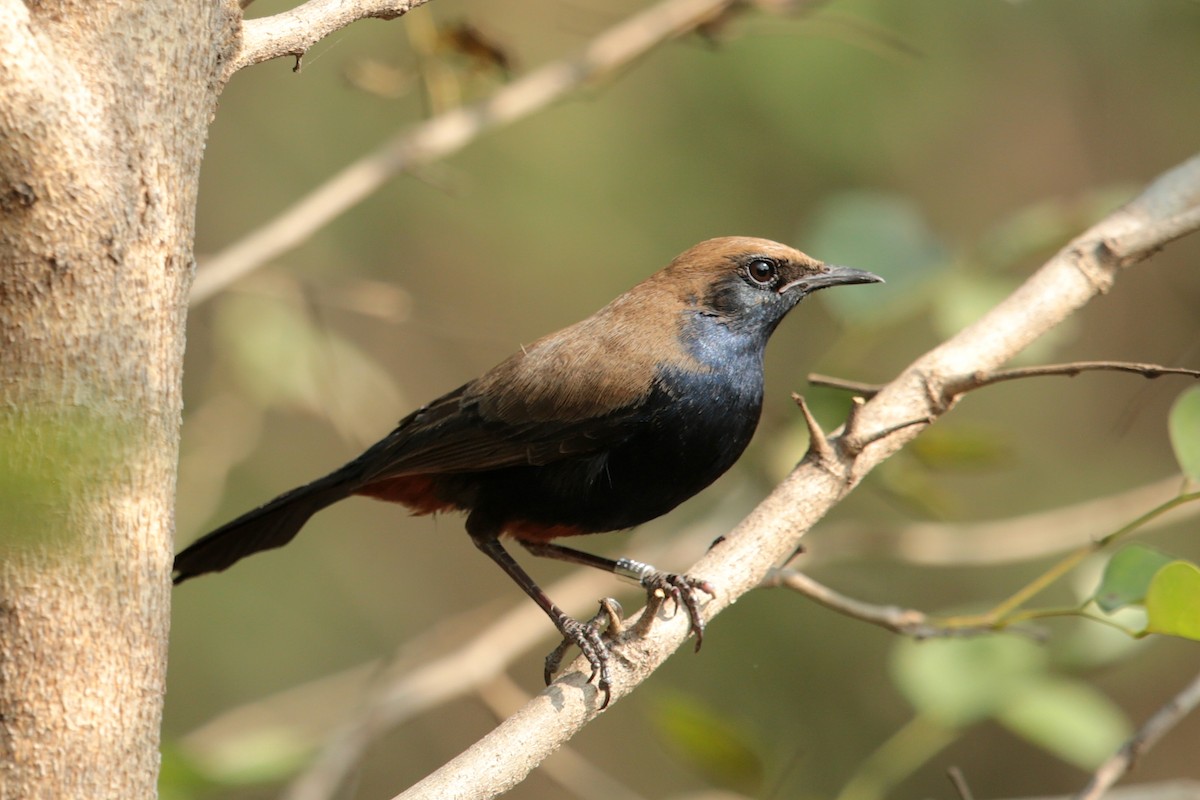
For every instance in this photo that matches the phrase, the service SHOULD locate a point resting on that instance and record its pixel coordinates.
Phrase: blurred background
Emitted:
(950, 147)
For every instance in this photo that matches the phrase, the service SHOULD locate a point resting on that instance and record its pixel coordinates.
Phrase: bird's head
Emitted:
(750, 284)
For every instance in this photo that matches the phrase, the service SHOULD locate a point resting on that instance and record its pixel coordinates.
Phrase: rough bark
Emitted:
(104, 109)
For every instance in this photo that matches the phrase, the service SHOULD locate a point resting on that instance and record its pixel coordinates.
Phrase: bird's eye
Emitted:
(762, 271)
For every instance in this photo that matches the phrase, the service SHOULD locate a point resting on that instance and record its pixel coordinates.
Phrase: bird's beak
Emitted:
(832, 276)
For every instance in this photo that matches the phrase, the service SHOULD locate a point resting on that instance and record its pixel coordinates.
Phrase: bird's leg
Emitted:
(584, 635)
(658, 584)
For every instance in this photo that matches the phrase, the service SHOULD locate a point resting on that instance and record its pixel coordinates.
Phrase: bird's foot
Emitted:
(682, 590)
(587, 637)
(661, 585)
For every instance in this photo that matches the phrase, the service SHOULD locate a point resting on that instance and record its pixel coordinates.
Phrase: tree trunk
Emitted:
(104, 109)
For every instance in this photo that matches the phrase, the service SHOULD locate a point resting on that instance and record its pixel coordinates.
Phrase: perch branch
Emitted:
(568, 767)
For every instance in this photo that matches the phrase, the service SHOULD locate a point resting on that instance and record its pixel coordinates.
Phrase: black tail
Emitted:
(273, 524)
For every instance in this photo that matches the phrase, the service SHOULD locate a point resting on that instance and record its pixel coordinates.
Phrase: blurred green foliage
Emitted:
(1184, 422)
(1009, 679)
(711, 743)
(1127, 576)
(1173, 601)
(948, 146)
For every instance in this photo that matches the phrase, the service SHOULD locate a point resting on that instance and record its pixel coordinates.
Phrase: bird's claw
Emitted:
(587, 637)
(682, 591)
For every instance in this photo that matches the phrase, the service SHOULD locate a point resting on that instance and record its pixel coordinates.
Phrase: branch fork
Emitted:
(295, 31)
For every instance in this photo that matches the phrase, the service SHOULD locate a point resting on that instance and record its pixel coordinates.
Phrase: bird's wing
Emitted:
(577, 392)
(458, 433)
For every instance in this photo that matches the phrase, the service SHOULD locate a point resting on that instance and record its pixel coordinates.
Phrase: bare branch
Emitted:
(982, 379)
(905, 621)
(293, 32)
(959, 782)
(1145, 738)
(1070, 370)
(446, 134)
(739, 562)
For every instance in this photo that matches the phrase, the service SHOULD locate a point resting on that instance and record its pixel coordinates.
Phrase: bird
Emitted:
(602, 426)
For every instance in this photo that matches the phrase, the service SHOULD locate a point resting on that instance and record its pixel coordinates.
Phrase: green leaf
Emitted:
(1184, 427)
(1173, 601)
(1127, 576)
(962, 681)
(1067, 718)
(710, 743)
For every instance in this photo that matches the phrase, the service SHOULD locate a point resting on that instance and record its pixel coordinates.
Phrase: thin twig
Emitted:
(1145, 738)
(959, 782)
(445, 134)
(855, 387)
(905, 621)
(979, 380)
(293, 32)
(999, 614)
(1070, 370)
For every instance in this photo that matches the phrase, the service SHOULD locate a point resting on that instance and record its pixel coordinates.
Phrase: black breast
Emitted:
(691, 428)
